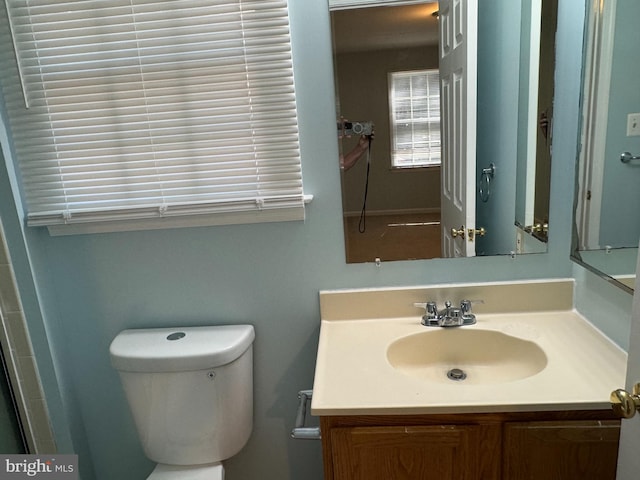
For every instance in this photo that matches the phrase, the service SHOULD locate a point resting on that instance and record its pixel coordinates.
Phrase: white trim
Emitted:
(532, 108)
(204, 220)
(21, 364)
(599, 58)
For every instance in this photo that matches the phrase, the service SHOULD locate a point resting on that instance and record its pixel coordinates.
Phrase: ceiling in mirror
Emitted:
(380, 28)
(392, 204)
(607, 221)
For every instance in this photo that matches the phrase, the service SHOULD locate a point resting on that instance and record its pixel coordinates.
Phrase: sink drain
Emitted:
(456, 374)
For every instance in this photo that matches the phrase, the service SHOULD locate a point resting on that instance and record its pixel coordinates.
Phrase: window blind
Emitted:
(153, 108)
(414, 99)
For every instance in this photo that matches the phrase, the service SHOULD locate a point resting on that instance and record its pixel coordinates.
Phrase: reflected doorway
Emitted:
(396, 236)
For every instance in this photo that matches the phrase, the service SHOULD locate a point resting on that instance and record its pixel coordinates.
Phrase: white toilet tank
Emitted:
(190, 390)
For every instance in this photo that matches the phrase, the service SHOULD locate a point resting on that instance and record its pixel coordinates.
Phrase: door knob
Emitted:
(476, 231)
(626, 404)
(458, 233)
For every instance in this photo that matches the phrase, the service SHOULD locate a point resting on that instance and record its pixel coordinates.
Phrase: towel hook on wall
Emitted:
(485, 182)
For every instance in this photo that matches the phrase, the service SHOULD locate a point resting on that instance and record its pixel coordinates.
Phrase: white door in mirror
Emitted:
(458, 71)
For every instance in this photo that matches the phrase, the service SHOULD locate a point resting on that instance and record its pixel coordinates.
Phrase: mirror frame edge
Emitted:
(575, 251)
(602, 275)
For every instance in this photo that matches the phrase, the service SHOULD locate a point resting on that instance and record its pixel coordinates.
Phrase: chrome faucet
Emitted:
(450, 316)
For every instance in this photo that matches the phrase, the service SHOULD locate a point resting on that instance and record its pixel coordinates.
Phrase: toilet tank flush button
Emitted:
(176, 336)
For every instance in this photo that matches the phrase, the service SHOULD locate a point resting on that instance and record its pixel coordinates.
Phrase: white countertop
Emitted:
(354, 377)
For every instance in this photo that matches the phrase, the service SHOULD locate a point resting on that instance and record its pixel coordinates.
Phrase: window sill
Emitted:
(182, 221)
(413, 168)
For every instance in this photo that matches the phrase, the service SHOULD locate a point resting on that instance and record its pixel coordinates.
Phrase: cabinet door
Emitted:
(405, 453)
(579, 450)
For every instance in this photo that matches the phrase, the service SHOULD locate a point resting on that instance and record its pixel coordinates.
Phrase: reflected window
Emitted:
(414, 105)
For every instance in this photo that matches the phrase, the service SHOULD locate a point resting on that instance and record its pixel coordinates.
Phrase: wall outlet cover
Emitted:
(633, 124)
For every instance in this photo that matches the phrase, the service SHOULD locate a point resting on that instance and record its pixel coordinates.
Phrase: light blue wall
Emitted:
(621, 192)
(605, 305)
(497, 121)
(84, 289)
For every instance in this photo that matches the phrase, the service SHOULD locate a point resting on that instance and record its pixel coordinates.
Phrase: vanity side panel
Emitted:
(327, 446)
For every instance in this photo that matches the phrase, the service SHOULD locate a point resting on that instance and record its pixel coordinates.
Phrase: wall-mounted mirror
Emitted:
(607, 220)
(386, 64)
(535, 110)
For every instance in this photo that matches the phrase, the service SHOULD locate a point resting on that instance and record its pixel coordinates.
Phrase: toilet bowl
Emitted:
(190, 391)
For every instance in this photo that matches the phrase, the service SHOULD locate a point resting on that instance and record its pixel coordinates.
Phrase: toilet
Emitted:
(190, 391)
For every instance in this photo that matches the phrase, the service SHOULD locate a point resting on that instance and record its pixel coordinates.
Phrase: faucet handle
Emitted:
(430, 308)
(465, 306)
(430, 317)
(468, 318)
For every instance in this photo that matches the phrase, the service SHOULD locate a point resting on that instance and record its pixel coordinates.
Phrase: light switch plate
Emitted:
(633, 124)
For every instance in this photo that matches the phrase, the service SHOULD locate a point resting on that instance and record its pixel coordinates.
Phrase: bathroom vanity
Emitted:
(528, 397)
(518, 445)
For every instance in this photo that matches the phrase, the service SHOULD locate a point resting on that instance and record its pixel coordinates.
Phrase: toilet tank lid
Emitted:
(179, 349)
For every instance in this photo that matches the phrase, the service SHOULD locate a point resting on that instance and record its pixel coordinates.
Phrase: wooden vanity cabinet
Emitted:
(424, 452)
(576, 450)
(512, 446)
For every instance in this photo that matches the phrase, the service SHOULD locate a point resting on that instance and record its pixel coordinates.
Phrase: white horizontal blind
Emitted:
(153, 108)
(414, 104)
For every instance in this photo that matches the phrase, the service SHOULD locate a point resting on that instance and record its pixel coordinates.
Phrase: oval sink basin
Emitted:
(467, 356)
